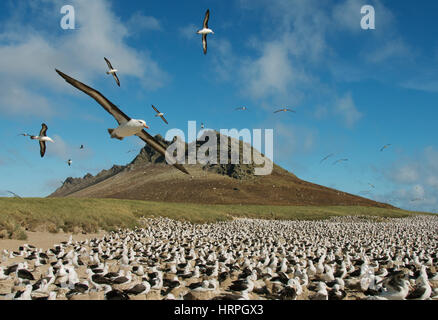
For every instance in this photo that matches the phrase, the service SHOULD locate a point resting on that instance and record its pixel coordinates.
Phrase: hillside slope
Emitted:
(148, 177)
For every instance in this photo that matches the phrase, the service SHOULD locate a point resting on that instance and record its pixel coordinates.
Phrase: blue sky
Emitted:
(354, 90)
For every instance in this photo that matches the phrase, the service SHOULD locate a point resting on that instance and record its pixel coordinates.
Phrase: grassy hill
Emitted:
(90, 215)
(149, 178)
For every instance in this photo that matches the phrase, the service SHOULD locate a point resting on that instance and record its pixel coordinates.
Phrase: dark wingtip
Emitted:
(181, 168)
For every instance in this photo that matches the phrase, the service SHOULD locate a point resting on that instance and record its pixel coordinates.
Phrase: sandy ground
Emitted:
(45, 240)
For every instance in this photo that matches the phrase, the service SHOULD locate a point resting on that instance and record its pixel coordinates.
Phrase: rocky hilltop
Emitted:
(149, 177)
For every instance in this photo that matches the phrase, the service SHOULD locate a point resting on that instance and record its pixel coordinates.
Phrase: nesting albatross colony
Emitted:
(332, 259)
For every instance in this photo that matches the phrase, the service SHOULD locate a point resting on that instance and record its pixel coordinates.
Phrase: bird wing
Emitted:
(108, 63)
(162, 117)
(96, 95)
(204, 43)
(290, 110)
(207, 16)
(156, 110)
(43, 130)
(117, 114)
(116, 78)
(278, 111)
(330, 155)
(146, 137)
(417, 293)
(42, 148)
(14, 194)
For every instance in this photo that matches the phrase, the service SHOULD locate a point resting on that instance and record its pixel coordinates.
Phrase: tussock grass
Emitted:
(92, 215)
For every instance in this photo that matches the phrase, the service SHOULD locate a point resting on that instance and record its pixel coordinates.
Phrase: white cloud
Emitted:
(415, 181)
(392, 49)
(346, 108)
(29, 58)
(65, 151)
(18, 101)
(405, 174)
(270, 74)
(139, 22)
(189, 31)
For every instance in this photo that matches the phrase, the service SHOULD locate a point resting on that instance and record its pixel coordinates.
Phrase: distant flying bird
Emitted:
(112, 71)
(371, 185)
(205, 31)
(159, 114)
(13, 193)
(340, 160)
(69, 162)
(42, 138)
(242, 109)
(133, 150)
(82, 147)
(25, 134)
(285, 110)
(385, 147)
(127, 126)
(330, 155)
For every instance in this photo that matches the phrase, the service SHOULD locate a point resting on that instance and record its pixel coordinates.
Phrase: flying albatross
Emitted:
(112, 71)
(14, 194)
(42, 138)
(127, 126)
(242, 109)
(325, 158)
(385, 147)
(340, 160)
(159, 114)
(205, 31)
(284, 110)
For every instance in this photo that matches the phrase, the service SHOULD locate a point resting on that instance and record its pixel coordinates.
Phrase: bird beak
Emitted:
(146, 126)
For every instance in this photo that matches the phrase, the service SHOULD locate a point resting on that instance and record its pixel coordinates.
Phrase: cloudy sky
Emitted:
(354, 90)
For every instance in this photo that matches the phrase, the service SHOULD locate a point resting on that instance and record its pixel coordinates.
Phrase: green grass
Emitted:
(91, 215)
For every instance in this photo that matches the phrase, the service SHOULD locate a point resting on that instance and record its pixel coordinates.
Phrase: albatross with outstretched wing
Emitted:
(42, 138)
(205, 31)
(127, 126)
(160, 114)
(112, 71)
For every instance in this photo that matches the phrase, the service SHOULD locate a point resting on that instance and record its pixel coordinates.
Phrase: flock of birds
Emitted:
(127, 126)
(334, 259)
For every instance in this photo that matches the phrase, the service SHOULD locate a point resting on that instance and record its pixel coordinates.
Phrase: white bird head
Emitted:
(142, 123)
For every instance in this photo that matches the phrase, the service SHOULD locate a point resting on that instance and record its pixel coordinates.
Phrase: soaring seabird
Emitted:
(42, 138)
(385, 147)
(69, 162)
(340, 160)
(127, 126)
(284, 110)
(159, 114)
(112, 71)
(205, 31)
(325, 158)
(242, 109)
(13, 193)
